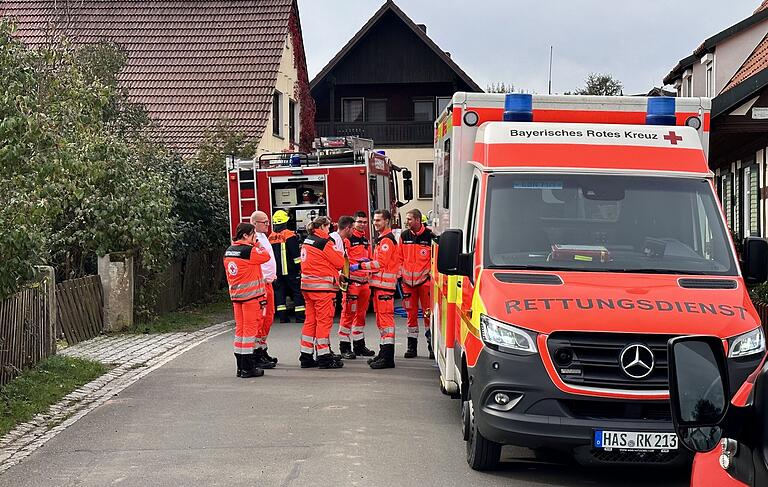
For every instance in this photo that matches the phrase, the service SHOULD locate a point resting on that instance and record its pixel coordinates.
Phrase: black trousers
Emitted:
(283, 286)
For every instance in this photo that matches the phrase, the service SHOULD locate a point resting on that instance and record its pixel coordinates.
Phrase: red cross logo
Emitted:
(673, 138)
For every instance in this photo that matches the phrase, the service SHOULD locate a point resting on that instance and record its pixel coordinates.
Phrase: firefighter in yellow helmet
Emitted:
(285, 244)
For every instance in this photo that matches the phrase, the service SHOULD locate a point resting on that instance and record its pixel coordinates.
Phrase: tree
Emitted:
(79, 173)
(600, 84)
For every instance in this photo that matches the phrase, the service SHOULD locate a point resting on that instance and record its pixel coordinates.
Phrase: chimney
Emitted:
(423, 27)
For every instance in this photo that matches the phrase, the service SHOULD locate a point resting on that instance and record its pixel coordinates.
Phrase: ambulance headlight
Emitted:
(749, 343)
(506, 337)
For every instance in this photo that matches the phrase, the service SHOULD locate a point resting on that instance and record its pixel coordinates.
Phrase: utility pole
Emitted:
(550, 70)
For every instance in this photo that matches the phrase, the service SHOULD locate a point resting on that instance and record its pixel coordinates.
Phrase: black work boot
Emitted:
(271, 359)
(328, 361)
(261, 360)
(358, 346)
(346, 351)
(386, 358)
(413, 344)
(376, 357)
(239, 364)
(249, 367)
(307, 360)
(428, 335)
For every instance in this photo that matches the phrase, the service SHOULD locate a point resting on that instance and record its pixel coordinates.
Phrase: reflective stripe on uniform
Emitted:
(283, 259)
(250, 294)
(244, 285)
(318, 283)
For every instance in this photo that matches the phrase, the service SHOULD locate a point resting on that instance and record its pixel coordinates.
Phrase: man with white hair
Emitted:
(260, 220)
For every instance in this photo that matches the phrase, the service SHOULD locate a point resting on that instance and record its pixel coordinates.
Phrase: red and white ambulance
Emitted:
(577, 236)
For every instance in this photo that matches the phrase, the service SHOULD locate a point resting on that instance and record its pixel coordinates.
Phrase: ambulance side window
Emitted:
(471, 232)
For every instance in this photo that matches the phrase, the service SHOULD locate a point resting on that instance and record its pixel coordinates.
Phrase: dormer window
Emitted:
(688, 82)
(708, 60)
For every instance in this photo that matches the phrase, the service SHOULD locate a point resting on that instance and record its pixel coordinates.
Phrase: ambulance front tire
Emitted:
(482, 453)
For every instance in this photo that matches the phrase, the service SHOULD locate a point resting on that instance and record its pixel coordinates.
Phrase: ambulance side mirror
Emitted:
(698, 390)
(407, 189)
(754, 263)
(450, 260)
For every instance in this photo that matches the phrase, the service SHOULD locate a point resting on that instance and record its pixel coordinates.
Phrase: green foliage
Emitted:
(80, 178)
(759, 294)
(35, 390)
(600, 84)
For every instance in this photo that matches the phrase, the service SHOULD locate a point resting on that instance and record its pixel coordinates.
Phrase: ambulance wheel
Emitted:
(482, 453)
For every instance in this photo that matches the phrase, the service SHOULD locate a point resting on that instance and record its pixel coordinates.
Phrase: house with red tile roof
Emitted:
(731, 67)
(389, 83)
(195, 63)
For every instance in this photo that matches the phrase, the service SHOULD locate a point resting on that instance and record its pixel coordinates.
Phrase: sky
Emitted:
(637, 42)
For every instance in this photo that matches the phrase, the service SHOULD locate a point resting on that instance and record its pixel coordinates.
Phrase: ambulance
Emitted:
(578, 235)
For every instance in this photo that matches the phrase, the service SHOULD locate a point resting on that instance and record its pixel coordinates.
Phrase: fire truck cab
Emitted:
(342, 176)
(576, 236)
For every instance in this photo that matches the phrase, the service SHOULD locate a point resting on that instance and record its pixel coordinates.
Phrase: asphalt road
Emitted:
(192, 422)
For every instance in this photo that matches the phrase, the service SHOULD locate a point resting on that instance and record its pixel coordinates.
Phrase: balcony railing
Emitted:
(382, 133)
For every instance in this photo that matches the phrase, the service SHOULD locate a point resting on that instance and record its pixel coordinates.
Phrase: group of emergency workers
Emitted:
(263, 267)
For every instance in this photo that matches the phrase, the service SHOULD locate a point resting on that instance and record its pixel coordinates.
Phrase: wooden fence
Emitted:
(188, 281)
(79, 309)
(27, 328)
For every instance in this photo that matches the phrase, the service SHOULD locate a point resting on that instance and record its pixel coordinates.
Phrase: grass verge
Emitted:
(36, 389)
(192, 318)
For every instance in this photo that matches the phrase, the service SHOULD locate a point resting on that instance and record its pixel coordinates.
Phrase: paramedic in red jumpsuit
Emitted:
(242, 263)
(383, 281)
(320, 266)
(415, 247)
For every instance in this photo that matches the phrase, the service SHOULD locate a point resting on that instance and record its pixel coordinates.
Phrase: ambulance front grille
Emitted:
(596, 360)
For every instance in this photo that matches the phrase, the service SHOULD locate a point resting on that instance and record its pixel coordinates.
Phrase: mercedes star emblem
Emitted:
(637, 361)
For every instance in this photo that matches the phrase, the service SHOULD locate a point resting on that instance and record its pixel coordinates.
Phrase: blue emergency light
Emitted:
(661, 111)
(518, 107)
(381, 152)
(295, 160)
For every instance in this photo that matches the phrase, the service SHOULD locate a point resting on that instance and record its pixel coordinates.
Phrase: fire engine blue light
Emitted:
(295, 160)
(518, 107)
(661, 111)
(381, 152)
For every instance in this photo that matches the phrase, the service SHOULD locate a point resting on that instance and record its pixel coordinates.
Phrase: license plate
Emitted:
(635, 440)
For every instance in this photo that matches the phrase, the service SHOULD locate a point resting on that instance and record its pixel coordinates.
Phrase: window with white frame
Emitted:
(442, 102)
(710, 80)
(687, 83)
(375, 110)
(426, 179)
(424, 110)
(352, 110)
(277, 114)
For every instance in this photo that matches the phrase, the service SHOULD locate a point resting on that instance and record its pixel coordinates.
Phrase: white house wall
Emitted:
(287, 79)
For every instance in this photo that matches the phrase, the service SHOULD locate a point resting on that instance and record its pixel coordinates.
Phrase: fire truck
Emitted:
(343, 175)
(578, 235)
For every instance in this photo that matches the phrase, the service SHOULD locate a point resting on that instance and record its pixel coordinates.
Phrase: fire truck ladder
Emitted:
(246, 174)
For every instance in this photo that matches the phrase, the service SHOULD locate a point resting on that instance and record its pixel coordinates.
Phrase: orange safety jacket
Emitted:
(285, 246)
(386, 262)
(320, 263)
(358, 247)
(242, 262)
(416, 251)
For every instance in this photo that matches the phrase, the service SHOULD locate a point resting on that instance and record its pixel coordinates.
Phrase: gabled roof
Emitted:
(756, 62)
(191, 63)
(390, 6)
(760, 14)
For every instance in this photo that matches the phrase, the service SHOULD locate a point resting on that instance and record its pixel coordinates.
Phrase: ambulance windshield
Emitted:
(605, 223)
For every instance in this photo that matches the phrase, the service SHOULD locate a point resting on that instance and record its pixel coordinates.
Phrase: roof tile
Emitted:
(191, 63)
